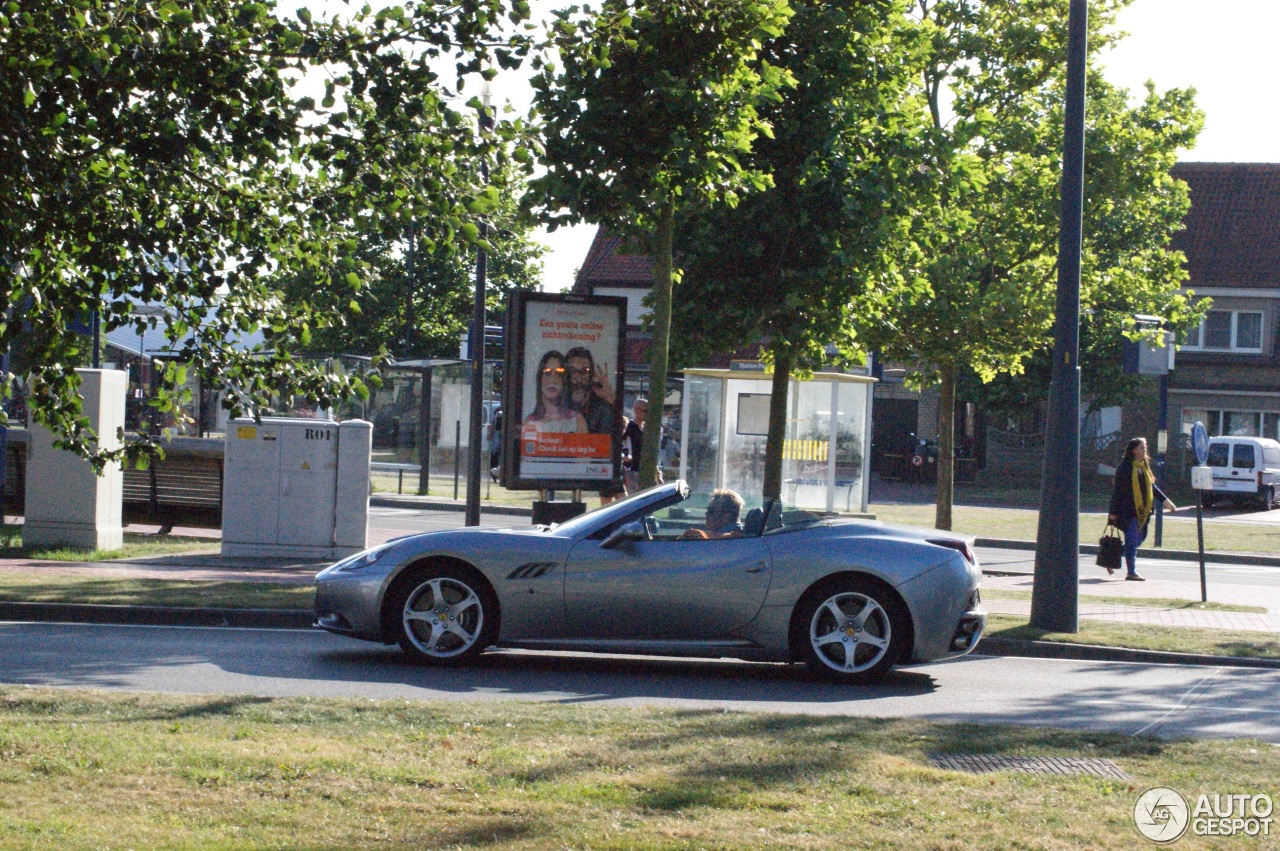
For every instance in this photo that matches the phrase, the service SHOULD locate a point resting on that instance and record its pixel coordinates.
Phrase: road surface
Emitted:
(1132, 699)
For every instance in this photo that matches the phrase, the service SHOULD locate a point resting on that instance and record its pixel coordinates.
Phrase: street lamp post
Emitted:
(475, 345)
(1055, 592)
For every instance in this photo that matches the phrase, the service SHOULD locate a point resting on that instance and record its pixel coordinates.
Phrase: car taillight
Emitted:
(961, 547)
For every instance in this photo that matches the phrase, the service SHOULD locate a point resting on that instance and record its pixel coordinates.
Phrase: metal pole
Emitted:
(457, 453)
(1055, 592)
(1162, 446)
(1204, 587)
(97, 338)
(475, 348)
(424, 432)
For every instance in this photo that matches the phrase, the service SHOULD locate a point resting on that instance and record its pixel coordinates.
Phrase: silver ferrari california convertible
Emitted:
(666, 572)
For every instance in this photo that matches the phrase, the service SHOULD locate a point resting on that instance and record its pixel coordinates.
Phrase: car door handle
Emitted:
(757, 567)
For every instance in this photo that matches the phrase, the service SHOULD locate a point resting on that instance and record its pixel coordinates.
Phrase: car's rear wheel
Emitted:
(444, 616)
(850, 630)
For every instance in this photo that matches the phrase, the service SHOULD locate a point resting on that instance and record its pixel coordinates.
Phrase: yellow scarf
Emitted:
(1144, 495)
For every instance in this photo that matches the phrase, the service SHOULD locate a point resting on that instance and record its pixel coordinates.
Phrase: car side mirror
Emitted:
(625, 534)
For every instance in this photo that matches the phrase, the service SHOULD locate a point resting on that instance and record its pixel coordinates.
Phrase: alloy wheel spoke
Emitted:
(836, 612)
(437, 632)
(455, 627)
(874, 641)
(860, 619)
(850, 655)
(437, 592)
(835, 636)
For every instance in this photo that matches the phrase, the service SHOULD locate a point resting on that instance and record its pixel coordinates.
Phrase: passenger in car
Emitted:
(723, 513)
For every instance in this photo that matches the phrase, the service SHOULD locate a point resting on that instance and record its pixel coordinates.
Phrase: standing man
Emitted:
(632, 441)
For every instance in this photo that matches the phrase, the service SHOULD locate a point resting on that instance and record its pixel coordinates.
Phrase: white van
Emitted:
(1244, 469)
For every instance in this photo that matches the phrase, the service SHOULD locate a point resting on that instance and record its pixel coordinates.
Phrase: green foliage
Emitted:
(160, 153)
(653, 102)
(418, 301)
(787, 262)
(982, 254)
(652, 110)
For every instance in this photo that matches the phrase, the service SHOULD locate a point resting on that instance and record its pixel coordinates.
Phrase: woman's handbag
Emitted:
(1110, 548)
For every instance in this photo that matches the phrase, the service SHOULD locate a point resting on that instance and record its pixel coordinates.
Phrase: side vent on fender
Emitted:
(532, 570)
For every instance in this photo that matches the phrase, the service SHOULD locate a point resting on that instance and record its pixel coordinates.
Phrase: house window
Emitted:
(1240, 423)
(1221, 423)
(1249, 332)
(1227, 331)
(1217, 329)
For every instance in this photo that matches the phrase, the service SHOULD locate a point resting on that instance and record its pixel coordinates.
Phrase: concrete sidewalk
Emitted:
(1093, 587)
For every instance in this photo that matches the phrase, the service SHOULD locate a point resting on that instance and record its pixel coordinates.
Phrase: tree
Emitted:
(160, 152)
(419, 298)
(651, 112)
(985, 236)
(786, 263)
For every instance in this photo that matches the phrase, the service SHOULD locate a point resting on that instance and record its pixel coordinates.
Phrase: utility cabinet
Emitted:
(296, 488)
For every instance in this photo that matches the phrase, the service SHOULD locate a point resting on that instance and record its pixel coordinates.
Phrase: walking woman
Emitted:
(1133, 499)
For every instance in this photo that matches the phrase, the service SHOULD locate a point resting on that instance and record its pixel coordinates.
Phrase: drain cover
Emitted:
(983, 763)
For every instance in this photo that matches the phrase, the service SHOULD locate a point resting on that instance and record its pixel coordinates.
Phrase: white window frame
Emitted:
(1235, 334)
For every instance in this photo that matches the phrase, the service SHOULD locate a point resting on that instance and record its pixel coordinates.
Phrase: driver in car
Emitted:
(723, 513)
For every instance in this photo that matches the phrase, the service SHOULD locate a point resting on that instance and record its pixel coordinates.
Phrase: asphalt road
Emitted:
(1132, 699)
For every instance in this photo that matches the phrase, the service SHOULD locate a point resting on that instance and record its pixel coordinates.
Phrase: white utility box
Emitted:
(67, 504)
(296, 488)
(1202, 478)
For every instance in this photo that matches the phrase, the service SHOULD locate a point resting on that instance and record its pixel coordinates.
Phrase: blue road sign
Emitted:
(1200, 443)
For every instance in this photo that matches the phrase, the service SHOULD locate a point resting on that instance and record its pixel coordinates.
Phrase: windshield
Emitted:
(605, 514)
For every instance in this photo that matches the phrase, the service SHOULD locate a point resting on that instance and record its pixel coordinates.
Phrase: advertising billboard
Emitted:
(562, 398)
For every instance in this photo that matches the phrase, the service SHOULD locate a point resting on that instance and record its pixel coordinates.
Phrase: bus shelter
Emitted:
(725, 423)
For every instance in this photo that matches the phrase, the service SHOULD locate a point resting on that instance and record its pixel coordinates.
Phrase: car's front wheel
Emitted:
(444, 616)
(850, 630)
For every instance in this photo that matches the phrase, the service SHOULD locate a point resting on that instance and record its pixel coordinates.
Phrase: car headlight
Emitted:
(360, 561)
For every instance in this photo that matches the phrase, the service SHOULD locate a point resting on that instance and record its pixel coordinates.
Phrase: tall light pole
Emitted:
(1055, 592)
(475, 342)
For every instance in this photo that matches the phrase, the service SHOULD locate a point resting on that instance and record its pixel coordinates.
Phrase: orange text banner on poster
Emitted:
(564, 445)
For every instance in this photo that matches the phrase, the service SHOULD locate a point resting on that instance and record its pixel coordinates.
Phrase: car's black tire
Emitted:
(443, 615)
(850, 630)
(1207, 500)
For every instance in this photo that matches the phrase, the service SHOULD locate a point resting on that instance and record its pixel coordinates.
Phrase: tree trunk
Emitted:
(946, 446)
(658, 346)
(777, 424)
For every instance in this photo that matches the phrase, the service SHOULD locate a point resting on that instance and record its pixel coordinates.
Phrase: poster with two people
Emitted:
(564, 372)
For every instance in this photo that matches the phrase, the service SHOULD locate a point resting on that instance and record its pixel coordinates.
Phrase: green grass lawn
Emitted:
(40, 588)
(1020, 524)
(136, 545)
(85, 770)
(1151, 602)
(1211, 642)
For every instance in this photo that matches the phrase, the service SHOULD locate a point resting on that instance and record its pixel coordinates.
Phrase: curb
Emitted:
(437, 504)
(1095, 653)
(157, 615)
(1169, 555)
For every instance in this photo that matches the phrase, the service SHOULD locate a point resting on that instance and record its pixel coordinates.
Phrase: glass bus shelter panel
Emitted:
(851, 441)
(807, 453)
(746, 431)
(701, 438)
(451, 421)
